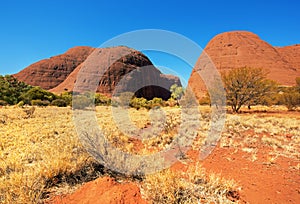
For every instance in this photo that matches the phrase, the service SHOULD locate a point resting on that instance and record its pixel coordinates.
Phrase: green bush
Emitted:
(39, 102)
(12, 89)
(37, 93)
(59, 103)
(67, 97)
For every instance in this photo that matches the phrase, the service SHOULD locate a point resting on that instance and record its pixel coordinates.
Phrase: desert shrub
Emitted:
(139, 103)
(246, 86)
(59, 103)
(37, 93)
(176, 91)
(102, 100)
(291, 100)
(39, 102)
(67, 97)
(155, 102)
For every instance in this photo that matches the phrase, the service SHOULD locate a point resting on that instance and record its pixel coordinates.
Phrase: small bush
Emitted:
(291, 100)
(59, 103)
(155, 102)
(102, 100)
(39, 102)
(67, 97)
(139, 103)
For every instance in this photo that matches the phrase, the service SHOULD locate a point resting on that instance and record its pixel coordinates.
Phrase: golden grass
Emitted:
(37, 148)
(279, 132)
(192, 186)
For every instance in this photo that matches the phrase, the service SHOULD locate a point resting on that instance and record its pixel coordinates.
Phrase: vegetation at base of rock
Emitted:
(37, 94)
(14, 92)
(244, 87)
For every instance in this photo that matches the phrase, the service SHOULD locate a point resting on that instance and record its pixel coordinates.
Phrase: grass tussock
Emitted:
(192, 186)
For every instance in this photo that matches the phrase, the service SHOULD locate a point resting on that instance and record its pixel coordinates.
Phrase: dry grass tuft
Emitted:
(192, 186)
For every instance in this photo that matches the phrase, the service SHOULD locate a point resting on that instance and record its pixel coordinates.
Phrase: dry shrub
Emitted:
(192, 186)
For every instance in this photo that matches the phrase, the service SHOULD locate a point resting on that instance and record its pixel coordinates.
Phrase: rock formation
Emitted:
(121, 67)
(49, 73)
(244, 49)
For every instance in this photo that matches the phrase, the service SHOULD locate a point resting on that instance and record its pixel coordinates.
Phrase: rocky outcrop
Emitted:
(291, 54)
(49, 73)
(245, 49)
(102, 70)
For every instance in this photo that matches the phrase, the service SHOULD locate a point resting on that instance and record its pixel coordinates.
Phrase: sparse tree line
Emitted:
(14, 92)
(243, 86)
(249, 87)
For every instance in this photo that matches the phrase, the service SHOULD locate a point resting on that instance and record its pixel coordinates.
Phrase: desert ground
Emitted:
(256, 159)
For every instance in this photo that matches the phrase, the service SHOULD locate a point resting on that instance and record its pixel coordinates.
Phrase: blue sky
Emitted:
(32, 30)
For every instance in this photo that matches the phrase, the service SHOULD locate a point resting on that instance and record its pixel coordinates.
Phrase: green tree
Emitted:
(246, 86)
(176, 92)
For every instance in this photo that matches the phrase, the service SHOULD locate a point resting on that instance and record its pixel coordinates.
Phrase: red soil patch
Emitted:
(260, 181)
(103, 191)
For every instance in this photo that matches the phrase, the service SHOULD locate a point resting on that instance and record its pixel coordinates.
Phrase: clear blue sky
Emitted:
(32, 30)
